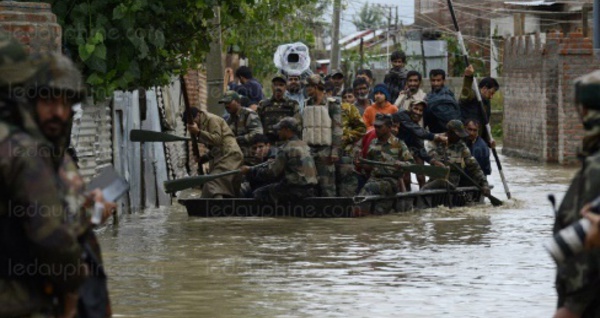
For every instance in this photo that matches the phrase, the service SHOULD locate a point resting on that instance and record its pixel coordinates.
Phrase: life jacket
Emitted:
(317, 123)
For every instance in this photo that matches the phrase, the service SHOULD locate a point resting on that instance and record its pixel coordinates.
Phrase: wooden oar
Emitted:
(140, 135)
(495, 201)
(190, 182)
(430, 171)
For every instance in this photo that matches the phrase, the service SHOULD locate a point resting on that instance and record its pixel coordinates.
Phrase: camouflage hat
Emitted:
(458, 128)
(287, 122)
(587, 90)
(383, 119)
(56, 72)
(15, 65)
(335, 72)
(316, 79)
(417, 102)
(228, 97)
(279, 78)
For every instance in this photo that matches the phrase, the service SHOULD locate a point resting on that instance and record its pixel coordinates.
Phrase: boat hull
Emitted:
(319, 207)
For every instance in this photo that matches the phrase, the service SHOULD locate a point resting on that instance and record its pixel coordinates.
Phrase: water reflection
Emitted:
(473, 262)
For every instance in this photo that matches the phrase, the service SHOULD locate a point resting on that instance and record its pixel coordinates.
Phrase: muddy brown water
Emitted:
(468, 262)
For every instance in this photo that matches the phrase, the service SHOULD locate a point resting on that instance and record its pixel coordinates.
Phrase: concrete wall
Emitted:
(540, 119)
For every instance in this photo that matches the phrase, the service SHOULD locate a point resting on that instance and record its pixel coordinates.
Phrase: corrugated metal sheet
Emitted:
(92, 137)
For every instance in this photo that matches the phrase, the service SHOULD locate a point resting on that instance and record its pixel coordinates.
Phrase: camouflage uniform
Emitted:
(271, 111)
(293, 172)
(457, 153)
(41, 214)
(384, 180)
(578, 277)
(353, 130)
(321, 154)
(245, 124)
(224, 153)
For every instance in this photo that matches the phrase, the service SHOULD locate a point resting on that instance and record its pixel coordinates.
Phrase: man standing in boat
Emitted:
(456, 155)
(224, 152)
(293, 171)
(322, 131)
(243, 121)
(387, 148)
(273, 109)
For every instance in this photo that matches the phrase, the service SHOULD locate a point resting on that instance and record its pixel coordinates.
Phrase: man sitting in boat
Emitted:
(261, 151)
(406, 127)
(224, 152)
(456, 155)
(293, 171)
(386, 148)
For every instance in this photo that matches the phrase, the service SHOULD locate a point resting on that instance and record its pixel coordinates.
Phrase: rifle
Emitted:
(487, 133)
(190, 121)
(93, 293)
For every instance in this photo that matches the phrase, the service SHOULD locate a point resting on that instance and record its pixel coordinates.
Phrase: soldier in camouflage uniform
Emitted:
(43, 212)
(322, 131)
(223, 151)
(578, 277)
(243, 121)
(457, 153)
(293, 170)
(385, 148)
(353, 129)
(272, 110)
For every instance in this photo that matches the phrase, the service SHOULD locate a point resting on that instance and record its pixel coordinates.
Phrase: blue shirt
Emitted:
(251, 89)
(481, 152)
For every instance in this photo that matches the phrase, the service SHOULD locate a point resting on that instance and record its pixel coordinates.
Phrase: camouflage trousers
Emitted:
(325, 171)
(381, 186)
(346, 178)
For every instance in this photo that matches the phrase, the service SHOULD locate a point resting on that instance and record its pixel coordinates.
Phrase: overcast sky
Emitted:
(406, 12)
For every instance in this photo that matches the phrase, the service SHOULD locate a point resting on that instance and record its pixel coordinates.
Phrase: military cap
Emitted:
(587, 90)
(56, 73)
(383, 119)
(458, 128)
(316, 79)
(280, 78)
(287, 122)
(418, 101)
(15, 65)
(335, 72)
(228, 97)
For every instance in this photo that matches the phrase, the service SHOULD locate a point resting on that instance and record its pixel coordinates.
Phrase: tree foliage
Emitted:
(126, 44)
(268, 24)
(369, 17)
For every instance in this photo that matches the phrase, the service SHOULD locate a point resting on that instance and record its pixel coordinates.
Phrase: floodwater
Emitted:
(470, 262)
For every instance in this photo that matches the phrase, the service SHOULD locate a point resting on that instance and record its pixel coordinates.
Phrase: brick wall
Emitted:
(33, 24)
(539, 71)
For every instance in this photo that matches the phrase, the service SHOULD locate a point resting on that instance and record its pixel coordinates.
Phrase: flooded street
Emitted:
(470, 262)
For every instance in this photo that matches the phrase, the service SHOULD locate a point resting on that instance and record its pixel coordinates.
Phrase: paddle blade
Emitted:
(140, 135)
(495, 201)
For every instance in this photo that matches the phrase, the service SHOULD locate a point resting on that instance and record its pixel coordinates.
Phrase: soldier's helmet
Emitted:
(15, 66)
(56, 74)
(317, 80)
(587, 90)
(458, 128)
(287, 122)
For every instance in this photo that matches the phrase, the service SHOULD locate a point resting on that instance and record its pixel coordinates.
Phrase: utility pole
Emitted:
(424, 60)
(214, 69)
(389, 28)
(335, 37)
